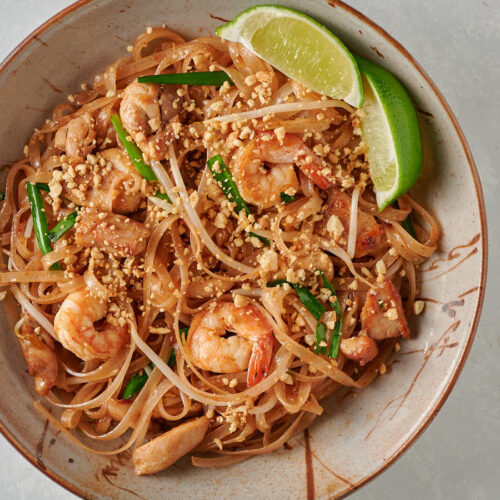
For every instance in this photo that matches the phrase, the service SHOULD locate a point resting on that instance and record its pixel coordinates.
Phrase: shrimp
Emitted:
(112, 188)
(361, 349)
(141, 116)
(251, 348)
(75, 329)
(111, 233)
(262, 187)
(77, 138)
(382, 315)
(40, 358)
(370, 235)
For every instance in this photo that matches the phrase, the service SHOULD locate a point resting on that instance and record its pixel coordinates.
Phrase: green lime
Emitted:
(390, 130)
(299, 47)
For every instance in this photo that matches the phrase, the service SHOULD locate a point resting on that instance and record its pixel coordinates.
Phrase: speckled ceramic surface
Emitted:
(358, 435)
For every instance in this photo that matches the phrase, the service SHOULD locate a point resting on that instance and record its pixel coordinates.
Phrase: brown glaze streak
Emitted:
(39, 446)
(53, 87)
(218, 18)
(309, 466)
(45, 44)
(452, 254)
(426, 113)
(427, 355)
(377, 52)
(447, 307)
(356, 15)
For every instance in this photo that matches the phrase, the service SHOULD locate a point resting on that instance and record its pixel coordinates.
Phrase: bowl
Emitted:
(360, 433)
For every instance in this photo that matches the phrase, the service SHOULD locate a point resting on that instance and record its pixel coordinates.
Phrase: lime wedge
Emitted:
(390, 130)
(299, 47)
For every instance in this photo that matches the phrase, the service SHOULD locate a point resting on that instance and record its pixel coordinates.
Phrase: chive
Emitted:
(311, 303)
(407, 224)
(286, 198)
(171, 360)
(63, 227)
(184, 331)
(163, 196)
(40, 221)
(333, 349)
(2, 196)
(261, 238)
(136, 383)
(43, 186)
(133, 151)
(320, 337)
(226, 183)
(194, 78)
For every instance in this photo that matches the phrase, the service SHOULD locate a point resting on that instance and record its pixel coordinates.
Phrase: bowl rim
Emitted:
(33, 36)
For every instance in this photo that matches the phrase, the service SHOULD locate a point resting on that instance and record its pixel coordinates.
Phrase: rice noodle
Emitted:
(353, 223)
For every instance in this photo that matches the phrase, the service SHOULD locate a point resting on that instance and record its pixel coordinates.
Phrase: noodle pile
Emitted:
(176, 246)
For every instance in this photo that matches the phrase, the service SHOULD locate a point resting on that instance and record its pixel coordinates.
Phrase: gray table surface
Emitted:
(458, 44)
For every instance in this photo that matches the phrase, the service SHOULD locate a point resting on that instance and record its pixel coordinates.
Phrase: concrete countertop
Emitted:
(458, 43)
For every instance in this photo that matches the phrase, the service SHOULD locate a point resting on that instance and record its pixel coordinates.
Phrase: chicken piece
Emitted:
(164, 450)
(112, 188)
(40, 358)
(370, 235)
(77, 138)
(382, 315)
(111, 233)
(361, 349)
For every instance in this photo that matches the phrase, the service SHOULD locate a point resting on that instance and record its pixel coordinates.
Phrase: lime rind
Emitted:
(404, 148)
(245, 25)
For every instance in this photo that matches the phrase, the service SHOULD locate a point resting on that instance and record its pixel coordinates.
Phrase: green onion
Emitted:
(407, 224)
(261, 238)
(184, 331)
(195, 78)
(63, 227)
(40, 221)
(2, 196)
(163, 196)
(43, 186)
(320, 337)
(133, 151)
(311, 303)
(286, 198)
(226, 183)
(136, 383)
(337, 330)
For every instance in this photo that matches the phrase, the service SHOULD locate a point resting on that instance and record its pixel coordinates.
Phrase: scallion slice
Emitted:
(2, 196)
(261, 238)
(63, 226)
(40, 221)
(135, 384)
(133, 151)
(226, 183)
(194, 78)
(333, 349)
(287, 198)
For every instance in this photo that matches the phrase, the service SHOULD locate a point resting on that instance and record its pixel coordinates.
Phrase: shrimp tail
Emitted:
(260, 361)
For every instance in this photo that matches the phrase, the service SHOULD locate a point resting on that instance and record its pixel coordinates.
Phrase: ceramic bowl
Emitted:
(359, 435)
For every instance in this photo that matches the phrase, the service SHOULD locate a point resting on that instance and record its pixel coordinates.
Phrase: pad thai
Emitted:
(199, 259)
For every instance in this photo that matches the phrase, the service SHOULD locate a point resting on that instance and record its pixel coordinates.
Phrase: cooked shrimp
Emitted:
(77, 138)
(370, 235)
(141, 116)
(111, 233)
(382, 315)
(251, 348)
(112, 188)
(40, 358)
(262, 187)
(361, 349)
(75, 329)
(164, 450)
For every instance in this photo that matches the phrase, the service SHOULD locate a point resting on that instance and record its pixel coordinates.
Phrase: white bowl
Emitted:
(359, 435)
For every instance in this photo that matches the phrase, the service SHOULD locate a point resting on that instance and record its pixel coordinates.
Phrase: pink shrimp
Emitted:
(263, 188)
(251, 348)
